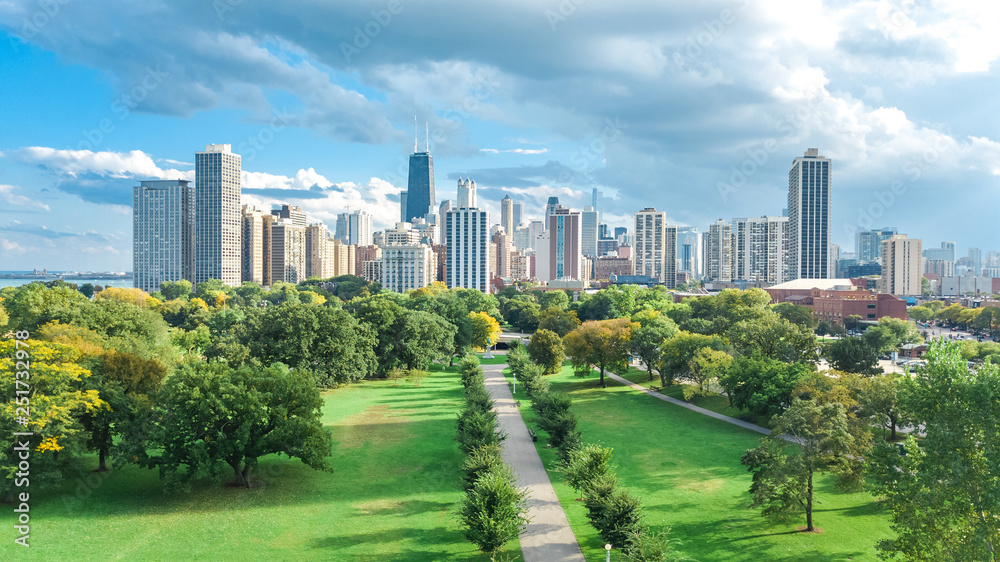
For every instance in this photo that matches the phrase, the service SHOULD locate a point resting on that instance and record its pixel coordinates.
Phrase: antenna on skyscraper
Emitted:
(427, 137)
(414, 133)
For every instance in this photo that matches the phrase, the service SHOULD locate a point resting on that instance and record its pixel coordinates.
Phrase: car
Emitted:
(955, 329)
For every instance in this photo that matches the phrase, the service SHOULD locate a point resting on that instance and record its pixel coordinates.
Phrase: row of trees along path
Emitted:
(548, 536)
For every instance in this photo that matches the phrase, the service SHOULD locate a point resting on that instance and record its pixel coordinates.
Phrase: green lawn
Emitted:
(393, 496)
(686, 469)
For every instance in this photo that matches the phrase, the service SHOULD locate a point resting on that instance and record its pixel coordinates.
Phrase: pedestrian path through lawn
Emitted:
(548, 536)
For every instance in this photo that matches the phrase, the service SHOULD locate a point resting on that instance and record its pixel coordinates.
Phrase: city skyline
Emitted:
(696, 109)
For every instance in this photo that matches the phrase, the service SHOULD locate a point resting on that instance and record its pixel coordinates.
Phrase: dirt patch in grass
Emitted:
(377, 425)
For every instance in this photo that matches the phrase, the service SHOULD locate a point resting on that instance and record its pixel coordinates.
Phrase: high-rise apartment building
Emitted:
(420, 184)
(868, 244)
(355, 228)
(588, 230)
(407, 266)
(319, 252)
(507, 215)
(518, 214)
(717, 250)
(809, 216)
(901, 257)
(760, 249)
(256, 242)
(163, 226)
(565, 245)
(976, 257)
(467, 236)
(292, 214)
(446, 206)
(688, 256)
(595, 202)
(502, 249)
(655, 246)
(288, 252)
(467, 194)
(218, 223)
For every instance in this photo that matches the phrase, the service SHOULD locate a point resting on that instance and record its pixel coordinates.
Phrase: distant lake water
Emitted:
(102, 282)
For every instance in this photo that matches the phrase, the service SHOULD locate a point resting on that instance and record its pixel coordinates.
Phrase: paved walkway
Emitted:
(692, 407)
(548, 536)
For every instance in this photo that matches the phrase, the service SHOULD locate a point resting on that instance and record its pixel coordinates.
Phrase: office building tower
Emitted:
(588, 231)
(809, 216)
(565, 245)
(163, 227)
(655, 244)
(717, 250)
(217, 215)
(403, 216)
(446, 206)
(256, 242)
(402, 235)
(467, 194)
(518, 212)
(355, 228)
(901, 275)
(945, 253)
(976, 257)
(507, 215)
(759, 249)
(550, 209)
(688, 255)
(288, 252)
(407, 266)
(620, 231)
(868, 244)
(595, 202)
(941, 268)
(420, 183)
(535, 228)
(502, 249)
(521, 239)
(543, 257)
(291, 214)
(467, 237)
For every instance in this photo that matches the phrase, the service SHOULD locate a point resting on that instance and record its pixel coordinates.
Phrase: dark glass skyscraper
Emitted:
(809, 216)
(420, 186)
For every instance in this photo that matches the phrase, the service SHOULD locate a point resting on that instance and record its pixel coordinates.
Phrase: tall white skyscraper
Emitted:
(355, 228)
(467, 237)
(466, 194)
(717, 250)
(507, 216)
(655, 246)
(518, 212)
(760, 249)
(288, 252)
(809, 216)
(565, 240)
(163, 225)
(588, 232)
(446, 206)
(901, 271)
(218, 222)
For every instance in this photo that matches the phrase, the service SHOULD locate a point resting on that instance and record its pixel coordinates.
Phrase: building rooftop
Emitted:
(823, 284)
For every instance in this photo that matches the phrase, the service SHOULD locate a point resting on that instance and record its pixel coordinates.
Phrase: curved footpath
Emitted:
(548, 536)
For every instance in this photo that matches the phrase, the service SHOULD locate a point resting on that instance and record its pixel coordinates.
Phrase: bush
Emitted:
(481, 459)
(546, 349)
(494, 510)
(477, 428)
(477, 398)
(619, 519)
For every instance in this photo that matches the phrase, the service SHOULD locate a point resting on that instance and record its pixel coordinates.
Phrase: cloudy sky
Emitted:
(696, 108)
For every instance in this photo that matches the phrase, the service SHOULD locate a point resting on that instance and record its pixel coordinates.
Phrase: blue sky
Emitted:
(696, 108)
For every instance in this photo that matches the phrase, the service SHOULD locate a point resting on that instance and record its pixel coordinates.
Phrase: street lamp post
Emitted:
(607, 547)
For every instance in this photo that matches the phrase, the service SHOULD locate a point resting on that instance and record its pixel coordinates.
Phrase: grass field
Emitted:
(686, 469)
(393, 496)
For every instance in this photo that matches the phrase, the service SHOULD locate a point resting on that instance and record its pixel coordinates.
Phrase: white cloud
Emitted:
(7, 195)
(123, 165)
(515, 150)
(10, 248)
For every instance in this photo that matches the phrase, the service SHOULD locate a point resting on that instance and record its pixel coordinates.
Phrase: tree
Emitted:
(603, 343)
(485, 329)
(57, 401)
(552, 299)
(772, 336)
(176, 289)
(988, 321)
(654, 328)
(494, 510)
(783, 481)
(890, 333)
(676, 354)
(944, 493)
(762, 386)
(921, 313)
(796, 314)
(880, 401)
(558, 320)
(380, 313)
(707, 365)
(587, 464)
(546, 349)
(600, 306)
(212, 415)
(853, 355)
(32, 305)
(522, 312)
(420, 338)
(925, 287)
(481, 460)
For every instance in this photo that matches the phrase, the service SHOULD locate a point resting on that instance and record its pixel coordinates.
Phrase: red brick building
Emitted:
(833, 300)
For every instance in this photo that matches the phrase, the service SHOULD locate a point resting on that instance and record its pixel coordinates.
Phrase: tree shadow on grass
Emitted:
(421, 544)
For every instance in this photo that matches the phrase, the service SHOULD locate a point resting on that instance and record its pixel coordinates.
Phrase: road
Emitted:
(548, 536)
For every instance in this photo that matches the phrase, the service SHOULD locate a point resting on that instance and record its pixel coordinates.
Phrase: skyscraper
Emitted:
(293, 214)
(809, 216)
(256, 244)
(288, 252)
(760, 249)
(550, 209)
(467, 236)
(868, 244)
(163, 225)
(518, 214)
(217, 215)
(507, 216)
(446, 206)
(588, 229)
(901, 266)
(976, 256)
(467, 194)
(565, 240)
(420, 183)
(655, 246)
(595, 202)
(688, 255)
(717, 247)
